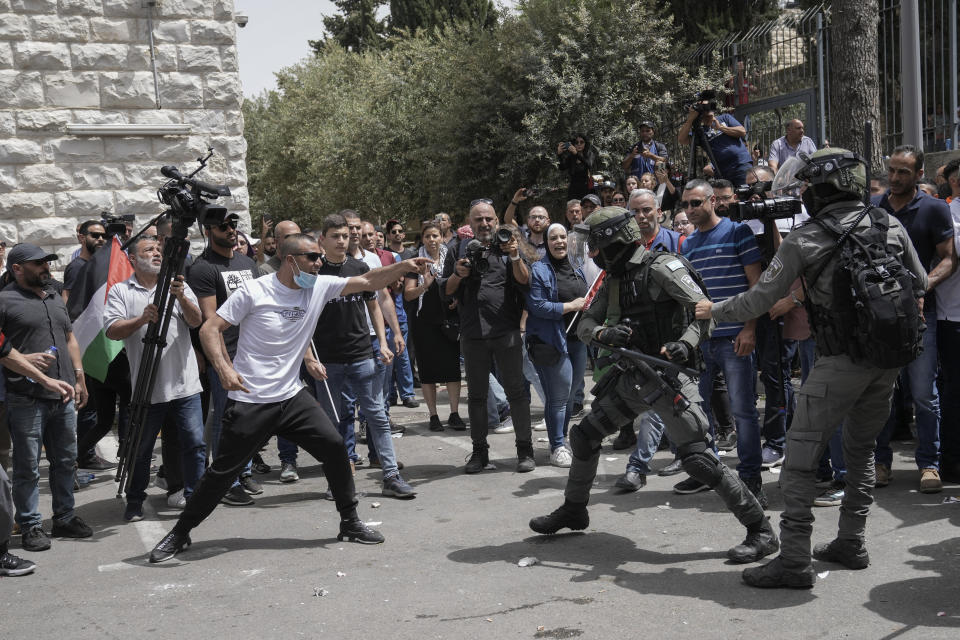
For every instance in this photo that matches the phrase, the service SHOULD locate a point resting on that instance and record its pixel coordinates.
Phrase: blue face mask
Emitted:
(304, 280)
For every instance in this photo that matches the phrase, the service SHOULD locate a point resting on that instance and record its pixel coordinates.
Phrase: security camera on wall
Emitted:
(241, 20)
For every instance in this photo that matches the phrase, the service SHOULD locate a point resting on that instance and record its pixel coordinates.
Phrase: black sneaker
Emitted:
(456, 423)
(478, 460)
(850, 553)
(435, 424)
(397, 487)
(631, 481)
(759, 543)
(362, 432)
(72, 528)
(397, 428)
(690, 485)
(577, 411)
(133, 512)
(237, 497)
(570, 516)
(775, 575)
(250, 485)
(11, 565)
(259, 466)
(756, 488)
(95, 463)
(671, 469)
(356, 531)
(288, 472)
(832, 497)
(172, 544)
(35, 539)
(410, 403)
(727, 441)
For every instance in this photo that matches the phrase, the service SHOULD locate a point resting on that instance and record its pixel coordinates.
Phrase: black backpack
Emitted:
(874, 307)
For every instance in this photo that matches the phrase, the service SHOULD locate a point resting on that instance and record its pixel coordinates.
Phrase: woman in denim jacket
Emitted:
(557, 293)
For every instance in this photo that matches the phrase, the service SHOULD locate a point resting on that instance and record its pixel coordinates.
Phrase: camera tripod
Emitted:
(698, 138)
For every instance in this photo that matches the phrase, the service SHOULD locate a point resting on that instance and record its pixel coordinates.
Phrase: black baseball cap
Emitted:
(590, 197)
(647, 123)
(25, 252)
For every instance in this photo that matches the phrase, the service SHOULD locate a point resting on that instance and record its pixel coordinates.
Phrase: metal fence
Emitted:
(780, 70)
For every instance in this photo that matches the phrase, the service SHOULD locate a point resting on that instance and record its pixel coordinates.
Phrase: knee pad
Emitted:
(583, 444)
(703, 467)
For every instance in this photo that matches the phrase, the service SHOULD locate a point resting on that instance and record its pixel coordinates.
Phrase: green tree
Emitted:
(355, 28)
(411, 15)
(699, 21)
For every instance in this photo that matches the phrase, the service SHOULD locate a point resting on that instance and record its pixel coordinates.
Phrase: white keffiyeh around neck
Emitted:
(436, 267)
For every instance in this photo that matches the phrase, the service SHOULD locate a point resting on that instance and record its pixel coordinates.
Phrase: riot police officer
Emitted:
(645, 304)
(844, 386)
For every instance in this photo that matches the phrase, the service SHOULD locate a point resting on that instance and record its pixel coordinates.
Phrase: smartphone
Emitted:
(660, 166)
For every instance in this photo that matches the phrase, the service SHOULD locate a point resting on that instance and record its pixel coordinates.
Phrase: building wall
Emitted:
(88, 62)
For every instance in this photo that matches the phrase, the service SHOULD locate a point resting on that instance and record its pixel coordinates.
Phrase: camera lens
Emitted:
(504, 235)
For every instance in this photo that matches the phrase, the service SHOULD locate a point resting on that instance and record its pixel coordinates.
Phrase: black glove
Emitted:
(616, 336)
(678, 351)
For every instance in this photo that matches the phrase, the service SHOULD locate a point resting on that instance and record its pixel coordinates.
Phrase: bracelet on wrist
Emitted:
(516, 204)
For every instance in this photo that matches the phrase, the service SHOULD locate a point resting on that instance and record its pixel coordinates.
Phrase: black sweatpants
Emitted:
(247, 427)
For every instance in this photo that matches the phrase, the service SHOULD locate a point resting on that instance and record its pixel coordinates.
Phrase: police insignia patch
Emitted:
(674, 265)
(776, 266)
(690, 284)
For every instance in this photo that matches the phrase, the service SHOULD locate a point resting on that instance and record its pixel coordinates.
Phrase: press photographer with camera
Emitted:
(646, 154)
(490, 283)
(724, 134)
(577, 158)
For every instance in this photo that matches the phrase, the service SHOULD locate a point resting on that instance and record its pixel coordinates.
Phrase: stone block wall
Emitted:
(66, 62)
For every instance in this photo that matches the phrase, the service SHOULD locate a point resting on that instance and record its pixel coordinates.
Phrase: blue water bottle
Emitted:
(51, 350)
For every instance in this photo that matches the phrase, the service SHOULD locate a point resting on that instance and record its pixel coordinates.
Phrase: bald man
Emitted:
(281, 231)
(790, 145)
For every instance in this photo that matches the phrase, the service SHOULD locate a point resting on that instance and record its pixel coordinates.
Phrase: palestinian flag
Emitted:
(87, 301)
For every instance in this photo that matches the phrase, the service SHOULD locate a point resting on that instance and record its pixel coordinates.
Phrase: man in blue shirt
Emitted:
(644, 156)
(726, 255)
(725, 135)
(930, 226)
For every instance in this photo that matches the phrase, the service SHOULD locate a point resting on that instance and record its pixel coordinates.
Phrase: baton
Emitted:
(326, 386)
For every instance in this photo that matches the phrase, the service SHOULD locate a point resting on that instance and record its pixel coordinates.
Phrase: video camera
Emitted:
(476, 253)
(763, 209)
(702, 102)
(185, 195)
(116, 225)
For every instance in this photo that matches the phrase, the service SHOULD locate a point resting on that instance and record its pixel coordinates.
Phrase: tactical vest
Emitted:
(654, 315)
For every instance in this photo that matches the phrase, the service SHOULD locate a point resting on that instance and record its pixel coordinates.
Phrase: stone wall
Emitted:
(68, 62)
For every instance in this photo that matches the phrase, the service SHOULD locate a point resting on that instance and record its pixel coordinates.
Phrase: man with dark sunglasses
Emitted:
(215, 275)
(91, 235)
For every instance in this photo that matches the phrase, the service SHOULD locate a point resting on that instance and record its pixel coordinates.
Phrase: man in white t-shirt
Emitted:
(276, 317)
(175, 397)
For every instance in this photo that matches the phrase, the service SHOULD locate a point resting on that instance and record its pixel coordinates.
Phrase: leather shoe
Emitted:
(672, 469)
(631, 481)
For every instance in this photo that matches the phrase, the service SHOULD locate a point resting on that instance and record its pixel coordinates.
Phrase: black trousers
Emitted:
(247, 427)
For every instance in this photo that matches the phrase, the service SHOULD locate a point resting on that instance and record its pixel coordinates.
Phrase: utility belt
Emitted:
(646, 369)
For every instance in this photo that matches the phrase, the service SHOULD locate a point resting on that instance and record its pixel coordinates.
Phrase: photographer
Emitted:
(578, 159)
(724, 134)
(490, 283)
(646, 154)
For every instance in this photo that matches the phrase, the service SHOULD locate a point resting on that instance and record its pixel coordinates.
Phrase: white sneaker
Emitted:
(176, 500)
(540, 426)
(505, 427)
(561, 457)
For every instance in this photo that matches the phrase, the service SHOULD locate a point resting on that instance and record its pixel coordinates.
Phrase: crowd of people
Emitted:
(312, 335)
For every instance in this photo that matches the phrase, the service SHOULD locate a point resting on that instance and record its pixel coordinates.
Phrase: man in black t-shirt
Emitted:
(490, 306)
(342, 342)
(92, 236)
(214, 276)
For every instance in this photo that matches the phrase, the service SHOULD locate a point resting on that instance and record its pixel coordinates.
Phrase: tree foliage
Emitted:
(433, 122)
(356, 26)
(700, 21)
(411, 15)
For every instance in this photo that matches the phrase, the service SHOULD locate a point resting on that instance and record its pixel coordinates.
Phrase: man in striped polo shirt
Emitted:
(728, 258)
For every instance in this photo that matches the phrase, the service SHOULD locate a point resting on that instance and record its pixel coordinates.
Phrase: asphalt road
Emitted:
(651, 564)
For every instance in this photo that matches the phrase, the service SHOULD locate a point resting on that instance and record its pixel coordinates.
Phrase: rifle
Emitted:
(663, 372)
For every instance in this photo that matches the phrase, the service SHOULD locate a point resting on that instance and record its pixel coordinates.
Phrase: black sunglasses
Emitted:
(96, 235)
(691, 204)
(312, 256)
(227, 225)
(396, 230)
(481, 201)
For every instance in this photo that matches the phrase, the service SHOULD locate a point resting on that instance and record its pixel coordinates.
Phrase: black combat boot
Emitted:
(479, 459)
(775, 574)
(850, 553)
(756, 488)
(761, 541)
(572, 515)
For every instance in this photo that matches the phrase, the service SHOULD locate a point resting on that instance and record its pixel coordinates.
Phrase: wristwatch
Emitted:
(517, 259)
(797, 301)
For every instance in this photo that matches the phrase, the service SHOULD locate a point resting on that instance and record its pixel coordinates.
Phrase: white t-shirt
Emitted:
(276, 324)
(948, 291)
(177, 376)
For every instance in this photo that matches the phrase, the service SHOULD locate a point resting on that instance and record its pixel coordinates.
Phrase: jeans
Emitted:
(52, 424)
(740, 374)
(948, 341)
(247, 427)
(399, 370)
(356, 382)
(648, 439)
(774, 355)
(187, 417)
(556, 391)
(479, 355)
(530, 372)
(920, 376)
(577, 352)
(496, 402)
(218, 402)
